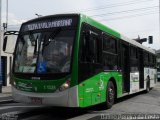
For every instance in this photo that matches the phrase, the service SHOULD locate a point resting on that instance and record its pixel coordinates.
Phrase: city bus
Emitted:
(71, 60)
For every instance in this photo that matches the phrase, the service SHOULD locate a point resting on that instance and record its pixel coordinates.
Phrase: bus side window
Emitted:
(93, 49)
(110, 58)
(133, 59)
(84, 47)
(146, 59)
(89, 48)
(155, 62)
(152, 61)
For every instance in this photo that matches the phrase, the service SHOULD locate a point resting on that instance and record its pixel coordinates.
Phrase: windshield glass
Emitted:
(44, 52)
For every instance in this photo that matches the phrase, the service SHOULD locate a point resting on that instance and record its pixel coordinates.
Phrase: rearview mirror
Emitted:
(9, 41)
(5, 43)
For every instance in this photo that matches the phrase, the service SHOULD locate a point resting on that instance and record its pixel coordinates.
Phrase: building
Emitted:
(6, 62)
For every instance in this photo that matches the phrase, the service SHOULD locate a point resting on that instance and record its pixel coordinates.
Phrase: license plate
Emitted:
(36, 100)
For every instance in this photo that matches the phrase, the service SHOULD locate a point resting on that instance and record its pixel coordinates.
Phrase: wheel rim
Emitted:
(110, 94)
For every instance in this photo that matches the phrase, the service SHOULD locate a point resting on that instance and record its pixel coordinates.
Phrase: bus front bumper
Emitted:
(67, 98)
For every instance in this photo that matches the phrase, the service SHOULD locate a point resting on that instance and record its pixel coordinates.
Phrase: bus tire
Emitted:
(110, 94)
(147, 85)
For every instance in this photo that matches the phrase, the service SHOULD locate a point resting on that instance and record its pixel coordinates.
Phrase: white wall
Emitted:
(8, 60)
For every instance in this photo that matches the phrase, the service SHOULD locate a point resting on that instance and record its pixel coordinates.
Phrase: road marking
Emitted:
(36, 117)
(4, 101)
(8, 107)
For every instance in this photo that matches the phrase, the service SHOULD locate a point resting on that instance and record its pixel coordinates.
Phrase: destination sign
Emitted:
(48, 24)
(43, 25)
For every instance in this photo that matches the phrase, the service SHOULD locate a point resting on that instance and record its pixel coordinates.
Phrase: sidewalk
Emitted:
(6, 95)
(157, 85)
(6, 89)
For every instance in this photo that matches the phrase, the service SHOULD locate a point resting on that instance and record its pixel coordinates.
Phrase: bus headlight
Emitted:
(65, 86)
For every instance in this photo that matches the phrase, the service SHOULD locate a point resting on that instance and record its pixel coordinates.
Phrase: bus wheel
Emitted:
(110, 94)
(147, 85)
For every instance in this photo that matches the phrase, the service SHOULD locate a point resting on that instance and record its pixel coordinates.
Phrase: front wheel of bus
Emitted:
(110, 94)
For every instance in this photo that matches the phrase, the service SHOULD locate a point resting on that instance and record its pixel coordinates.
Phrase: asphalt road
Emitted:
(140, 103)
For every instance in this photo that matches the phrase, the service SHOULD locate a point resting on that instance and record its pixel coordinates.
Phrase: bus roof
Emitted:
(51, 16)
(114, 33)
(104, 28)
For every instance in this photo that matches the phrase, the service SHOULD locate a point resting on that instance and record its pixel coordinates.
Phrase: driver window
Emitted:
(89, 49)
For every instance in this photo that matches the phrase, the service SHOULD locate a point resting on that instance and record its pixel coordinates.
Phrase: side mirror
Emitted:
(9, 41)
(5, 43)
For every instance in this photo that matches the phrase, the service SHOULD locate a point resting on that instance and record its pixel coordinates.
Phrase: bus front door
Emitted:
(125, 67)
(141, 69)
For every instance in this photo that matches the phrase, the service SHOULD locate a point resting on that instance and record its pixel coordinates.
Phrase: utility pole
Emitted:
(0, 45)
(6, 14)
(159, 19)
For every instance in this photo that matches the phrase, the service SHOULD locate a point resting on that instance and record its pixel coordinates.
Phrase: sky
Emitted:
(132, 18)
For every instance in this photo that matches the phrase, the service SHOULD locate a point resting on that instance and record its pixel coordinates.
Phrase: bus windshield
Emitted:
(44, 52)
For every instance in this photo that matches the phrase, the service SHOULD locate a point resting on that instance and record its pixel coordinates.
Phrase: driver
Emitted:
(54, 64)
(57, 58)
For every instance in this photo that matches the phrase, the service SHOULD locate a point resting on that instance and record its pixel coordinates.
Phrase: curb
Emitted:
(6, 101)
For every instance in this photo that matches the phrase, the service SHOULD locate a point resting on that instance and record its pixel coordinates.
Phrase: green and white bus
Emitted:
(72, 60)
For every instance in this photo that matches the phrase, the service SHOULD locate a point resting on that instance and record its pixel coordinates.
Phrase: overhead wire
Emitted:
(113, 5)
(119, 12)
(126, 11)
(130, 16)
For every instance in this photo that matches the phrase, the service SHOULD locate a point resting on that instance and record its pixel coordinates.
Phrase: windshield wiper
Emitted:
(36, 46)
(51, 36)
